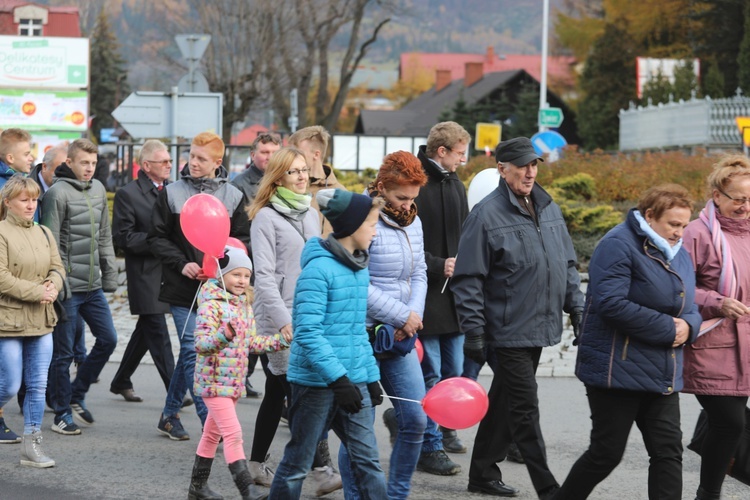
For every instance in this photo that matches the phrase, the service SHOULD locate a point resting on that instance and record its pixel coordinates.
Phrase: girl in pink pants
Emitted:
(224, 335)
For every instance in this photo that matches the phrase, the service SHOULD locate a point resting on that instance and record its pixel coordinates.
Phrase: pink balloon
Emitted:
(210, 266)
(456, 403)
(420, 350)
(234, 242)
(205, 223)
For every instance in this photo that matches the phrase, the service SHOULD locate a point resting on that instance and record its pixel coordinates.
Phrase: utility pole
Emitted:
(545, 37)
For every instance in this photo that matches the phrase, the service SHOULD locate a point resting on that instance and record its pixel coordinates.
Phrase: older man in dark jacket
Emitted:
(131, 222)
(515, 274)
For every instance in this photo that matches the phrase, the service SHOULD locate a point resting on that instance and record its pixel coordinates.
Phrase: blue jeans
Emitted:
(79, 345)
(400, 377)
(94, 309)
(312, 411)
(443, 358)
(184, 370)
(30, 357)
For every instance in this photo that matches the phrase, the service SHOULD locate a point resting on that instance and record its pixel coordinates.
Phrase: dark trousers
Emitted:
(150, 335)
(513, 415)
(726, 425)
(612, 415)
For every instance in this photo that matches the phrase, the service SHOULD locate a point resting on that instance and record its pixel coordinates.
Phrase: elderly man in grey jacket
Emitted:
(515, 274)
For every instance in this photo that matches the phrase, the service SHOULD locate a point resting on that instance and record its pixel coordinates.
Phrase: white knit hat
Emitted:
(234, 258)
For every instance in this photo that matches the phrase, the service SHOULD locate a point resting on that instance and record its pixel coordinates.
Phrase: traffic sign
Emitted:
(198, 83)
(548, 142)
(743, 124)
(550, 117)
(192, 46)
(487, 136)
(149, 114)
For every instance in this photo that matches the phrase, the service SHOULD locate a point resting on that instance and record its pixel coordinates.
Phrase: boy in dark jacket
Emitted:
(332, 370)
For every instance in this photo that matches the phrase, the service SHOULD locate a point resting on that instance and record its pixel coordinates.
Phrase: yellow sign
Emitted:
(743, 124)
(488, 136)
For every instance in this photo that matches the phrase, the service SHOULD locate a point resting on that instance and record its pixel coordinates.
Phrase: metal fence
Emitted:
(707, 122)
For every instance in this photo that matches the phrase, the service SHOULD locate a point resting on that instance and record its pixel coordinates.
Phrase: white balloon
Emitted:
(482, 184)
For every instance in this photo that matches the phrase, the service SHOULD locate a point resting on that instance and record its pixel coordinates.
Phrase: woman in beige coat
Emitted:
(31, 275)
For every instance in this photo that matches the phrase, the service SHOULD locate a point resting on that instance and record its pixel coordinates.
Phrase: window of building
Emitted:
(30, 27)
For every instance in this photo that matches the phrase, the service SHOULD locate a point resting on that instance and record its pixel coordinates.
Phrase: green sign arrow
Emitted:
(550, 117)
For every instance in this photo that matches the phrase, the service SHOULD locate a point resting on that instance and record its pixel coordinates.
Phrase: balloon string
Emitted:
(184, 327)
(403, 399)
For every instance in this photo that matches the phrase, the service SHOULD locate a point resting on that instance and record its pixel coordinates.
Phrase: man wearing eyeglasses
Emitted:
(442, 207)
(131, 221)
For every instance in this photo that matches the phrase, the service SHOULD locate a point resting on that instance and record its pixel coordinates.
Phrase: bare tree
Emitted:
(305, 32)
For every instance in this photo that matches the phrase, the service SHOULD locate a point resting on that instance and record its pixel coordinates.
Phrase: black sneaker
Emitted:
(64, 424)
(437, 463)
(250, 392)
(391, 423)
(7, 436)
(172, 428)
(81, 413)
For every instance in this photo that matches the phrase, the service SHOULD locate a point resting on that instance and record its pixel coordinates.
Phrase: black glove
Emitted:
(376, 393)
(347, 395)
(575, 320)
(474, 347)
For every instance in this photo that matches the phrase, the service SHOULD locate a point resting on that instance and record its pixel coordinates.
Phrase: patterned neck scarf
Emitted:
(291, 204)
(400, 217)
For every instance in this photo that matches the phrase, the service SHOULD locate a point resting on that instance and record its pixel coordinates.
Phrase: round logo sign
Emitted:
(77, 118)
(28, 108)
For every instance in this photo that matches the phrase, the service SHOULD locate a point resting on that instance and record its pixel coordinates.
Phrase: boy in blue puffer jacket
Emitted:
(332, 369)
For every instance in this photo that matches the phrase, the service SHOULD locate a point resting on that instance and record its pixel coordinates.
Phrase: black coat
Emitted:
(131, 221)
(443, 207)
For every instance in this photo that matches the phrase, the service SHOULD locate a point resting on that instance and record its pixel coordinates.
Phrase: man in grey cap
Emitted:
(515, 274)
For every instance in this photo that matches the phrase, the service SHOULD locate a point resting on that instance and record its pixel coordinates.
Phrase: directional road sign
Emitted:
(548, 142)
(487, 135)
(149, 114)
(198, 83)
(550, 117)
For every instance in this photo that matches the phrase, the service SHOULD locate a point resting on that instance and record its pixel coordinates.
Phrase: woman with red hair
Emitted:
(395, 305)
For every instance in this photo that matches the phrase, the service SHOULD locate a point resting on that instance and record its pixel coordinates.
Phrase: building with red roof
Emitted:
(445, 68)
(21, 18)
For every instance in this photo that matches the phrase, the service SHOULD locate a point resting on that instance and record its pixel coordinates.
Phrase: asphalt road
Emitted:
(122, 456)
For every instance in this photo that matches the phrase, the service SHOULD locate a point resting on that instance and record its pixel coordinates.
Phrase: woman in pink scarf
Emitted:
(717, 364)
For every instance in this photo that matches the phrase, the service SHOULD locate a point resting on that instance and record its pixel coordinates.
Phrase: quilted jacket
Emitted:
(628, 328)
(330, 305)
(398, 273)
(221, 364)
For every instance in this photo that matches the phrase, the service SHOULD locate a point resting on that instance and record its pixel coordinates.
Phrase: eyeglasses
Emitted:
(736, 201)
(297, 171)
(160, 162)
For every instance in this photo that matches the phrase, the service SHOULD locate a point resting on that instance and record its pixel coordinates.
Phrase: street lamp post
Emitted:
(543, 84)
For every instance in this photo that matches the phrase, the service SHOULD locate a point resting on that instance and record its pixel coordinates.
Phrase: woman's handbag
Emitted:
(739, 467)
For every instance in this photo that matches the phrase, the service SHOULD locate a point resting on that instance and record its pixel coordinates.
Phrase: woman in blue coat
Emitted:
(395, 300)
(639, 313)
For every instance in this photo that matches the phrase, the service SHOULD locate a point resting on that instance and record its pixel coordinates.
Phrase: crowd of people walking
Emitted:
(330, 290)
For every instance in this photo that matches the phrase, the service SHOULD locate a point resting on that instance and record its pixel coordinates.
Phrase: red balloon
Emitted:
(205, 223)
(456, 403)
(234, 242)
(420, 350)
(210, 266)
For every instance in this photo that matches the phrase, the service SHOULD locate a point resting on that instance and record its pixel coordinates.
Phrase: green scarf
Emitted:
(288, 203)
